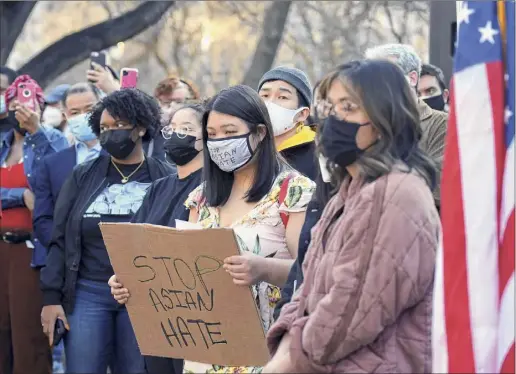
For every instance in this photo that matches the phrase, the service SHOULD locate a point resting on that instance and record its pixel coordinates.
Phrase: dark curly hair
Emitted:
(132, 106)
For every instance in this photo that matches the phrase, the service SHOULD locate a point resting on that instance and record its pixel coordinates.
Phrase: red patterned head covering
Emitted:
(12, 90)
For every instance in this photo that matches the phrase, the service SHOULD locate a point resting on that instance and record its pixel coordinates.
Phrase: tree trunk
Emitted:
(13, 15)
(274, 21)
(74, 48)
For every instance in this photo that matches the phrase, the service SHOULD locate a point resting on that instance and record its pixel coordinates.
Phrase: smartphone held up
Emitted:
(26, 95)
(99, 58)
(128, 78)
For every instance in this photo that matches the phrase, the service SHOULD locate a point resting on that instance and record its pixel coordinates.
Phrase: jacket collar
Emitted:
(424, 110)
(303, 135)
(7, 139)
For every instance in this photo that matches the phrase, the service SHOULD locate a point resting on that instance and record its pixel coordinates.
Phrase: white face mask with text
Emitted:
(230, 154)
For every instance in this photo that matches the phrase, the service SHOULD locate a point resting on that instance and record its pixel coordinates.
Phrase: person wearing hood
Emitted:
(288, 96)
(23, 145)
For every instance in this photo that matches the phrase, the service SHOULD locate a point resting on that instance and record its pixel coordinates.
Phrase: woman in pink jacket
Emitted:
(365, 305)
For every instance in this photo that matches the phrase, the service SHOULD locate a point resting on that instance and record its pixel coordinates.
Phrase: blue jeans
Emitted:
(100, 333)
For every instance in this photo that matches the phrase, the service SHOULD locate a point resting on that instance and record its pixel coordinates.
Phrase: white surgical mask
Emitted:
(52, 117)
(232, 153)
(325, 173)
(282, 119)
(80, 128)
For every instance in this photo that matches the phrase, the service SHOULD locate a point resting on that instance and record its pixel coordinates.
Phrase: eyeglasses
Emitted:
(326, 108)
(181, 132)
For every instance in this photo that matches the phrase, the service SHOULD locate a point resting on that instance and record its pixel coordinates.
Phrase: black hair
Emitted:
(198, 107)
(244, 103)
(10, 73)
(132, 106)
(434, 71)
(80, 88)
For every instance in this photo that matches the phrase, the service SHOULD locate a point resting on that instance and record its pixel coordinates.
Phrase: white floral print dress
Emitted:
(261, 232)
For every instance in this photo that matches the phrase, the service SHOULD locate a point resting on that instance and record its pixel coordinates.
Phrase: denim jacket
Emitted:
(43, 142)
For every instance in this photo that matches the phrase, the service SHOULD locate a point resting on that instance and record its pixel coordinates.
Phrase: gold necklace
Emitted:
(125, 179)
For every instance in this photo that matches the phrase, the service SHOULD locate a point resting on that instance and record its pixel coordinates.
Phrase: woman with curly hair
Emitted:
(108, 189)
(183, 147)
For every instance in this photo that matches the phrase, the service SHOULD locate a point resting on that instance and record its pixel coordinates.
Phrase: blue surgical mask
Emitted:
(80, 128)
(3, 108)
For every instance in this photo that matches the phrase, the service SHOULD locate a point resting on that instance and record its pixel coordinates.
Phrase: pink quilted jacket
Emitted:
(366, 303)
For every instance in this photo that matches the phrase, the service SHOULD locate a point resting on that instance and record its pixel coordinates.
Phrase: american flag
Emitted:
(473, 325)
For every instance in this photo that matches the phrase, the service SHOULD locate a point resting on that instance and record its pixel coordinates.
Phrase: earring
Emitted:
(142, 133)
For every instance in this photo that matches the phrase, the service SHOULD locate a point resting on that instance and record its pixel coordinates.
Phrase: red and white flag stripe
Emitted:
(473, 324)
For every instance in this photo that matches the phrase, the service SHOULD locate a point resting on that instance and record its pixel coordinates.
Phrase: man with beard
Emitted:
(432, 88)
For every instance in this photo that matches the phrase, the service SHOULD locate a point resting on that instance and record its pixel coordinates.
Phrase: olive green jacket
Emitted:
(434, 124)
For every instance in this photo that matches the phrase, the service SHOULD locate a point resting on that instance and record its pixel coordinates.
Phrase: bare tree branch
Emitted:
(390, 19)
(274, 22)
(13, 15)
(76, 47)
(107, 7)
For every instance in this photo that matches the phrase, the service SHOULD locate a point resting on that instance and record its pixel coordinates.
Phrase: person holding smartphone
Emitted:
(22, 148)
(103, 77)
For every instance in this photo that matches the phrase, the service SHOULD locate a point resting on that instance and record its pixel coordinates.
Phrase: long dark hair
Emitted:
(244, 103)
(379, 87)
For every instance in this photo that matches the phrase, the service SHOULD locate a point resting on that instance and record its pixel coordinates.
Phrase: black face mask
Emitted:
(339, 141)
(118, 143)
(435, 102)
(180, 151)
(10, 122)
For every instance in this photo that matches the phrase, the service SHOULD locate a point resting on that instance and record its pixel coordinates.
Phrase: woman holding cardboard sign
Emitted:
(265, 209)
(251, 189)
(108, 189)
(164, 202)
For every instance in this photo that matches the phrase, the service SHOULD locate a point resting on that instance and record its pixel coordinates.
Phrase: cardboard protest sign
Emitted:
(183, 304)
